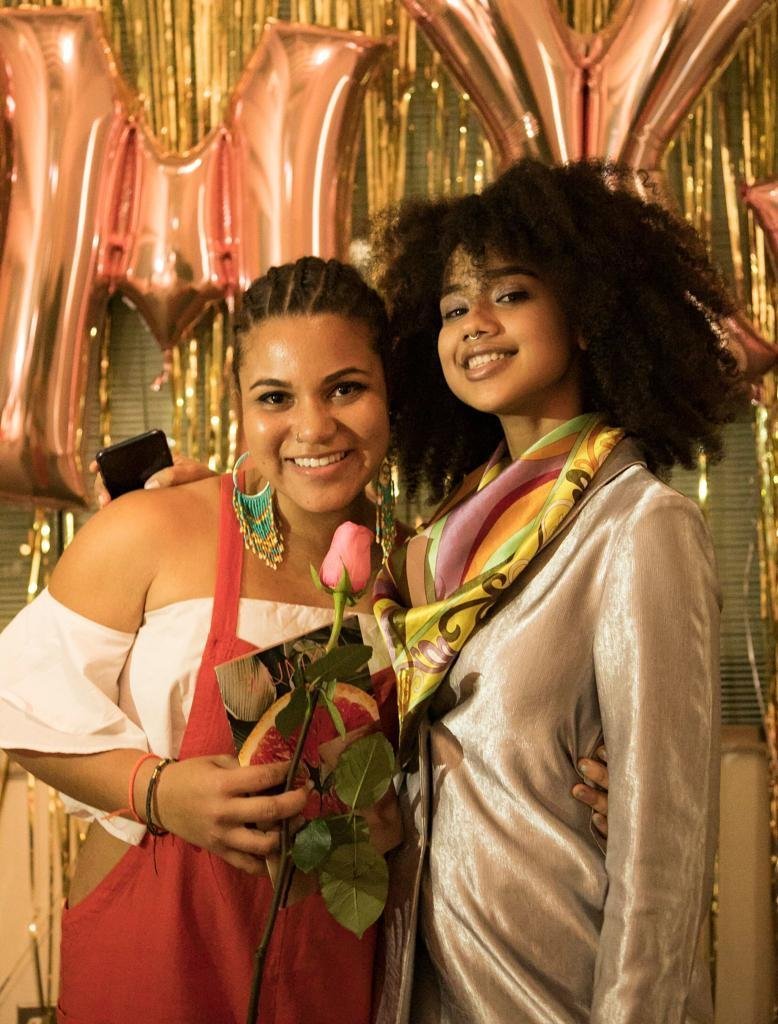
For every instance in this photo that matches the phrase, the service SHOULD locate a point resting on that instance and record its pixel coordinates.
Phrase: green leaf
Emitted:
(340, 663)
(312, 845)
(364, 771)
(335, 715)
(362, 682)
(317, 581)
(354, 882)
(347, 829)
(291, 716)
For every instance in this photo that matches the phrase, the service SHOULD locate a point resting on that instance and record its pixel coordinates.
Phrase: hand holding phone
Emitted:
(127, 465)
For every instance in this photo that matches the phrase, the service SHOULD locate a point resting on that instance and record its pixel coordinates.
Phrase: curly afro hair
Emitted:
(633, 280)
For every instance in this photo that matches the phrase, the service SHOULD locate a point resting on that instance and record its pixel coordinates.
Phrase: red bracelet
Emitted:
(133, 777)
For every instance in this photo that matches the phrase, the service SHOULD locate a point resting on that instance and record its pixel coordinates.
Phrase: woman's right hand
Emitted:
(219, 805)
(183, 471)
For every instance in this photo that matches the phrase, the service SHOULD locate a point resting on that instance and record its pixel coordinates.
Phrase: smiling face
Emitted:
(505, 345)
(315, 411)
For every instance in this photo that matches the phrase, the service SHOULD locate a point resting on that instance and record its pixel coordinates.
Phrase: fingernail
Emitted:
(583, 767)
(101, 501)
(150, 484)
(308, 785)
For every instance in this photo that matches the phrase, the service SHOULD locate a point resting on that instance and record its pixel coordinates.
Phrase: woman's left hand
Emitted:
(594, 793)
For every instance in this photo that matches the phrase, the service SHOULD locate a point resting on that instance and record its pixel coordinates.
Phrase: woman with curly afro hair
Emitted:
(559, 341)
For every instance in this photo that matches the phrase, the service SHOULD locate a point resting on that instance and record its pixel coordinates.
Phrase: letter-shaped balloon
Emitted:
(754, 356)
(89, 205)
(62, 122)
(516, 62)
(543, 89)
(294, 123)
(163, 246)
(654, 63)
(760, 355)
(763, 200)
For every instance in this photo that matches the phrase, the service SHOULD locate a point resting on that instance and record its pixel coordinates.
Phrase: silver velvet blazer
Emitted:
(505, 906)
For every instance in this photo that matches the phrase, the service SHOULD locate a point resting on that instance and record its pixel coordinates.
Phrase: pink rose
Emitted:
(349, 550)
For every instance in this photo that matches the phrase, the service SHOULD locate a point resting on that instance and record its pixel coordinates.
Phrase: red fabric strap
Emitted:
(229, 567)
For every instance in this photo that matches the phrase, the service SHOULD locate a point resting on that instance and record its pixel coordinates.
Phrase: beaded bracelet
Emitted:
(155, 830)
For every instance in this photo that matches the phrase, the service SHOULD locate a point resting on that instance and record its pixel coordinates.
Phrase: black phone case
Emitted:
(127, 465)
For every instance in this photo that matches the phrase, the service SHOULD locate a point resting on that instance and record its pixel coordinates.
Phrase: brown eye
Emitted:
(272, 398)
(453, 313)
(347, 388)
(515, 295)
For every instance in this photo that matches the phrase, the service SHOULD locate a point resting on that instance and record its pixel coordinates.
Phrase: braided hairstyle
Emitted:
(633, 280)
(308, 287)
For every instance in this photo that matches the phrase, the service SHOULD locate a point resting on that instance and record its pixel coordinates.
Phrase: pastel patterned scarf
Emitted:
(446, 579)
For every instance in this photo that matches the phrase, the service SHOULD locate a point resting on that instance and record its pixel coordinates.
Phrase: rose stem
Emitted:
(287, 864)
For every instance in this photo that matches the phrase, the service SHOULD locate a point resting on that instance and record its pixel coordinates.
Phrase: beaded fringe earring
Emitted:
(257, 523)
(386, 494)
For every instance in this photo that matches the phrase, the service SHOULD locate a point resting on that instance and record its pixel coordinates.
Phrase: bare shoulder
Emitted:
(106, 572)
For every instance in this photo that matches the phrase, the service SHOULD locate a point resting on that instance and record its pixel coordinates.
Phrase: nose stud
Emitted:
(475, 336)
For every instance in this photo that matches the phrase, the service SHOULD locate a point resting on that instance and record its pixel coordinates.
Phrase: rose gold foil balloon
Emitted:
(654, 64)
(763, 200)
(62, 115)
(294, 125)
(618, 94)
(163, 247)
(273, 184)
(90, 205)
(517, 63)
(754, 356)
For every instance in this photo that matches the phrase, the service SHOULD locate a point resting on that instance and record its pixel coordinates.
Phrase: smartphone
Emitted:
(127, 465)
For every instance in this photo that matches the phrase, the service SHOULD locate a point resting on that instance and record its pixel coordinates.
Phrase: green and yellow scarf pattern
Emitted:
(446, 580)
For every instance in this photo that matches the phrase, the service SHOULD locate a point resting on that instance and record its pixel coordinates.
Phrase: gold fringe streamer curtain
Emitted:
(730, 140)
(421, 137)
(588, 15)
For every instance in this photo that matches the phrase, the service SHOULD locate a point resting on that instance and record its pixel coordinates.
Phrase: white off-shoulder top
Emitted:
(69, 685)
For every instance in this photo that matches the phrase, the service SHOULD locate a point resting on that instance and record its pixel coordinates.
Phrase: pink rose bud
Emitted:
(349, 550)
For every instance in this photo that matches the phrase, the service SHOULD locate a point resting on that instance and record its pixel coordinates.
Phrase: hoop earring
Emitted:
(256, 520)
(386, 493)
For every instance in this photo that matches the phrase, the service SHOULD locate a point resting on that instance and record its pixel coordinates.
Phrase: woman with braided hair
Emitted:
(117, 659)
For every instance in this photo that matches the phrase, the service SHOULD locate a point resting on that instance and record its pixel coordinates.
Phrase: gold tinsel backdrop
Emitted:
(420, 136)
